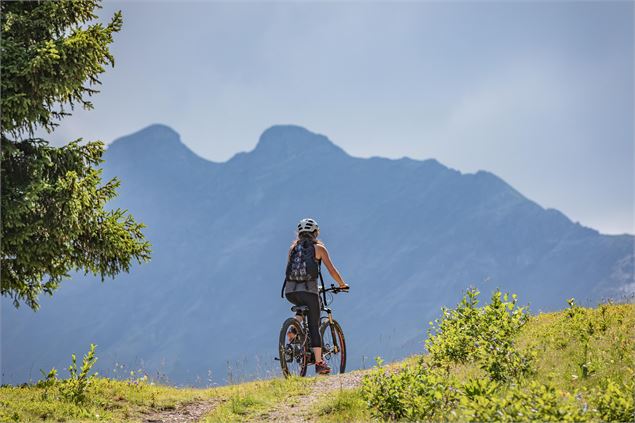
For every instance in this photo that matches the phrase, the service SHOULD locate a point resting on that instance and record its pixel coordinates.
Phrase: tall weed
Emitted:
(74, 388)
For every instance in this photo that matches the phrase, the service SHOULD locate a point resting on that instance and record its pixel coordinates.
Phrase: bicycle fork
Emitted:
(336, 347)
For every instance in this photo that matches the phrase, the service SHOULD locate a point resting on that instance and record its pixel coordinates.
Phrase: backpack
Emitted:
(302, 266)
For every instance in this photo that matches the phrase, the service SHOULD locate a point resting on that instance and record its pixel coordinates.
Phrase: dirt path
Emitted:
(192, 412)
(298, 409)
(295, 409)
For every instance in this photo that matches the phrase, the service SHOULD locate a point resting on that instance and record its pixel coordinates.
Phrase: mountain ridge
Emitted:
(273, 146)
(406, 234)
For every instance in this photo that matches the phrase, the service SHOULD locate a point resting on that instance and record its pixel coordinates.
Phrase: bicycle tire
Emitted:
(335, 359)
(299, 351)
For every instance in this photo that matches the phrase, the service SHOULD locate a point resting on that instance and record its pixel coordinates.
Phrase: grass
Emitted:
(106, 399)
(559, 345)
(604, 345)
(573, 355)
(254, 399)
(131, 401)
(345, 405)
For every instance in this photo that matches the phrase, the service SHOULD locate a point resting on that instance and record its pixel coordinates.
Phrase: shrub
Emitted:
(413, 393)
(452, 338)
(532, 401)
(614, 402)
(483, 335)
(74, 388)
(584, 371)
(421, 392)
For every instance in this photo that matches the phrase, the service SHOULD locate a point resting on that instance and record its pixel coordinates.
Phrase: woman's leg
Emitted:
(313, 302)
(293, 298)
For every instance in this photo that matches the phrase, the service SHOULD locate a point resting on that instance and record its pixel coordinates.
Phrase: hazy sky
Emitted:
(540, 93)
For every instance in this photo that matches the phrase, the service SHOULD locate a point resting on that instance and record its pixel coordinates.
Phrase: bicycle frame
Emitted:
(333, 347)
(328, 313)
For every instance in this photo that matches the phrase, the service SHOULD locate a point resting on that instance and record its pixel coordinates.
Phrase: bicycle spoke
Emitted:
(333, 350)
(292, 346)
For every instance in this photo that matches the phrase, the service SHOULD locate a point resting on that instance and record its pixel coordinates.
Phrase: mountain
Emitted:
(407, 235)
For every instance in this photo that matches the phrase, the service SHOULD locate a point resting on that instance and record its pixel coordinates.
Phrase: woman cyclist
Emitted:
(301, 285)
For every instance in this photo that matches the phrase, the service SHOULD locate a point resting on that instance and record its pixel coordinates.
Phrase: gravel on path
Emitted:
(191, 412)
(298, 409)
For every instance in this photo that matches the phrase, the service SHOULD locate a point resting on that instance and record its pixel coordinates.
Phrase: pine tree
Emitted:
(54, 219)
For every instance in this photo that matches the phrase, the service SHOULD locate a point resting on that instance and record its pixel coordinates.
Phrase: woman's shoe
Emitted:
(322, 368)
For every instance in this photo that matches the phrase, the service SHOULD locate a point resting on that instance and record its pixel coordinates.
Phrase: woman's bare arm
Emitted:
(323, 254)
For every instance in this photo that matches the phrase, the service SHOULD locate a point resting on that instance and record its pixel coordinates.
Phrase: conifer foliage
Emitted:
(54, 219)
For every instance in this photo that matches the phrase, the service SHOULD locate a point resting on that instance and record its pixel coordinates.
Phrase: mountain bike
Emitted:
(294, 346)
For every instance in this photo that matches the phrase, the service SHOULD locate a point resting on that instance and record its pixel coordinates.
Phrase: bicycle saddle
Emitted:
(300, 309)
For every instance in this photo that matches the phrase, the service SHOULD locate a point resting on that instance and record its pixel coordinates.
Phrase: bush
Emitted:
(421, 392)
(584, 370)
(533, 401)
(414, 393)
(483, 335)
(453, 337)
(74, 388)
(614, 402)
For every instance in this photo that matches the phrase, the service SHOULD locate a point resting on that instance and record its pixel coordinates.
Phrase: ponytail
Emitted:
(311, 236)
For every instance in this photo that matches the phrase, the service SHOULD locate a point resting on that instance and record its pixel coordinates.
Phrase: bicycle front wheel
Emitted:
(333, 346)
(292, 349)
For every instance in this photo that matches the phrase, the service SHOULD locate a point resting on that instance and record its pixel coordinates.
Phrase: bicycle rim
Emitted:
(293, 353)
(333, 353)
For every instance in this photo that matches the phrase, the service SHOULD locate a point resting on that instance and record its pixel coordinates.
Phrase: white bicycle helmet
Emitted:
(307, 225)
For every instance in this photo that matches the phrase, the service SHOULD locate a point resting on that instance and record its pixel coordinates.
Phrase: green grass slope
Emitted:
(104, 399)
(134, 400)
(496, 363)
(484, 363)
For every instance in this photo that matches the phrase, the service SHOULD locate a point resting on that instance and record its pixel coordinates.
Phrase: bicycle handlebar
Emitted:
(334, 289)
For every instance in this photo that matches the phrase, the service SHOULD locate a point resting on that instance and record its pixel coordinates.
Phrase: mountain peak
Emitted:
(156, 140)
(156, 133)
(291, 140)
(160, 131)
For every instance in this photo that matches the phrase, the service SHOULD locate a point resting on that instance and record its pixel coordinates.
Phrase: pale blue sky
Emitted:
(540, 93)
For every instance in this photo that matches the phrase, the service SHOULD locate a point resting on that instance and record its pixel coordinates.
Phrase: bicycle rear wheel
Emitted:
(293, 349)
(333, 346)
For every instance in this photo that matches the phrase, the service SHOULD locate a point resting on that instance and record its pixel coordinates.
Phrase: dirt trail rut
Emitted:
(192, 412)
